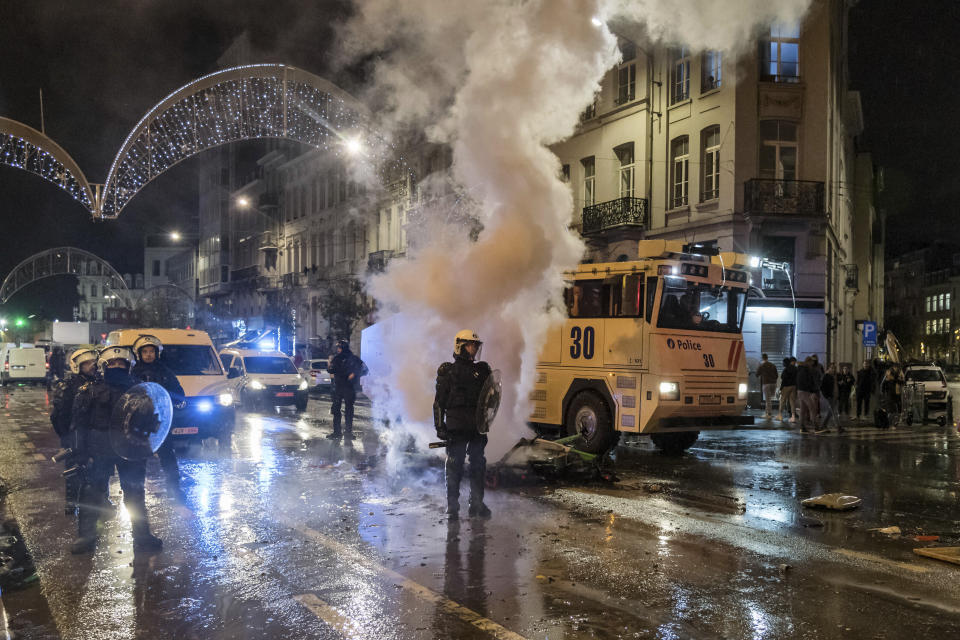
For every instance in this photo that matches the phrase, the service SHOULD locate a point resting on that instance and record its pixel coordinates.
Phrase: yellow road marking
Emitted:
(328, 614)
(872, 558)
(446, 604)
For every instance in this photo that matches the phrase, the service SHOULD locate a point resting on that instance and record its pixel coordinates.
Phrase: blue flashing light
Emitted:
(204, 406)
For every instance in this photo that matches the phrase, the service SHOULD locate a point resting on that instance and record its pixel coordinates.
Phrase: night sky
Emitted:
(103, 64)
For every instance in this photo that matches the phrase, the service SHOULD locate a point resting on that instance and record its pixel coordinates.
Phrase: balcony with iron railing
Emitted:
(614, 214)
(377, 260)
(770, 197)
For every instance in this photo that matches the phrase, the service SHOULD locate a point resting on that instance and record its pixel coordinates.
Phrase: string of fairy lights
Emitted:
(233, 105)
(23, 154)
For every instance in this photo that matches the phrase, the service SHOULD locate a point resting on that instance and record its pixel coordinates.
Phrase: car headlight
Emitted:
(225, 399)
(304, 385)
(669, 391)
(742, 390)
(256, 384)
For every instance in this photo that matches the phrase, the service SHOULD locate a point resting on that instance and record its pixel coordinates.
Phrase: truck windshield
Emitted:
(191, 360)
(700, 307)
(269, 364)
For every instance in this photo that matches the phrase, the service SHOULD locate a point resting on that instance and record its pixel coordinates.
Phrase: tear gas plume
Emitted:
(499, 81)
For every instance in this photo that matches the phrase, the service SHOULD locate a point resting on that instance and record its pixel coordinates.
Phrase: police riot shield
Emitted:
(140, 421)
(489, 401)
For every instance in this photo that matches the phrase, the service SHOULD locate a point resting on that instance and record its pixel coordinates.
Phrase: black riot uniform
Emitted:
(455, 417)
(92, 420)
(61, 416)
(341, 367)
(160, 373)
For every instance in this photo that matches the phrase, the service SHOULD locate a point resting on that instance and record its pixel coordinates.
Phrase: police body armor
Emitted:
(61, 404)
(461, 383)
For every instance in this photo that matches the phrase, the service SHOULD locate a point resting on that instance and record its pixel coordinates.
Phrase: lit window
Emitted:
(680, 166)
(711, 70)
(778, 150)
(781, 54)
(927, 302)
(625, 156)
(943, 302)
(679, 74)
(589, 181)
(710, 163)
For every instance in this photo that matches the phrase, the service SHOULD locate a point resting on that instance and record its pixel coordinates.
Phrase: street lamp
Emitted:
(353, 146)
(243, 202)
(175, 236)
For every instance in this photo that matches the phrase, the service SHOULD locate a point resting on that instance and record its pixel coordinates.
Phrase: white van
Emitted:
(266, 379)
(25, 365)
(209, 411)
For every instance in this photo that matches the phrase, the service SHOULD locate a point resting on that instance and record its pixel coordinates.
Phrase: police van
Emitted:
(650, 346)
(208, 411)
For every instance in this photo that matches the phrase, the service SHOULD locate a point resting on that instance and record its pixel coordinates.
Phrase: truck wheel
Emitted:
(674, 444)
(589, 417)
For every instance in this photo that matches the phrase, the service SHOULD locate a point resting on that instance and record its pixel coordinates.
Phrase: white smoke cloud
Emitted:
(499, 80)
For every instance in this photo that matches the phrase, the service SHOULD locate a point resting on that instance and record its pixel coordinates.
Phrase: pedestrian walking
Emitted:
(827, 400)
(808, 395)
(865, 383)
(150, 368)
(92, 413)
(459, 384)
(889, 399)
(767, 372)
(346, 369)
(83, 365)
(788, 390)
(845, 383)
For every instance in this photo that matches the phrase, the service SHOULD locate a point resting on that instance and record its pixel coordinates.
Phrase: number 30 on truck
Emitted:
(650, 346)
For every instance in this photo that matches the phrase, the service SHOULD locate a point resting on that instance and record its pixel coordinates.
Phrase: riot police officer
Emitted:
(459, 384)
(149, 368)
(346, 369)
(92, 413)
(83, 364)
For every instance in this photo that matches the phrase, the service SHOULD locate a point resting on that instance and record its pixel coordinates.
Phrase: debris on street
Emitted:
(833, 501)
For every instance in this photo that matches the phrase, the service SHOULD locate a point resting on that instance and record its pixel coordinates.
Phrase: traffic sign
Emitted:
(869, 334)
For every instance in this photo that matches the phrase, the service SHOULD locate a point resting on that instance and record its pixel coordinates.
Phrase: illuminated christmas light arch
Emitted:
(23, 147)
(242, 103)
(63, 261)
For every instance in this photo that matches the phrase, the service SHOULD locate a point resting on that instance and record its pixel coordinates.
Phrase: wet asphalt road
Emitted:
(293, 536)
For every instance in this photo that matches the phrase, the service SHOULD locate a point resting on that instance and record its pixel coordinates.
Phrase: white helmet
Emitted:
(463, 338)
(80, 356)
(147, 340)
(113, 353)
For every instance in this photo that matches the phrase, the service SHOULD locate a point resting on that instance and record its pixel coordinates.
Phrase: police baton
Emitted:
(439, 445)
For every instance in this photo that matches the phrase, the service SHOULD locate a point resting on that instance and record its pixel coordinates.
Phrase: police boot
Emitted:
(479, 510)
(143, 540)
(336, 435)
(86, 539)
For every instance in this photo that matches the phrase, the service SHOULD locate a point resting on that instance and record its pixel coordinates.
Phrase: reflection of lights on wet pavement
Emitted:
(759, 621)
(611, 519)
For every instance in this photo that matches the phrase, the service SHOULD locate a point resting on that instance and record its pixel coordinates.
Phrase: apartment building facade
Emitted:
(753, 153)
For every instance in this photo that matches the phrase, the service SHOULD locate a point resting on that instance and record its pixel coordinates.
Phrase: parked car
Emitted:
(266, 379)
(315, 371)
(208, 410)
(934, 383)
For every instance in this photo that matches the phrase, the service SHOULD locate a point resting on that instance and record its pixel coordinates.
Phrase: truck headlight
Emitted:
(225, 399)
(669, 391)
(742, 390)
(304, 385)
(256, 385)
